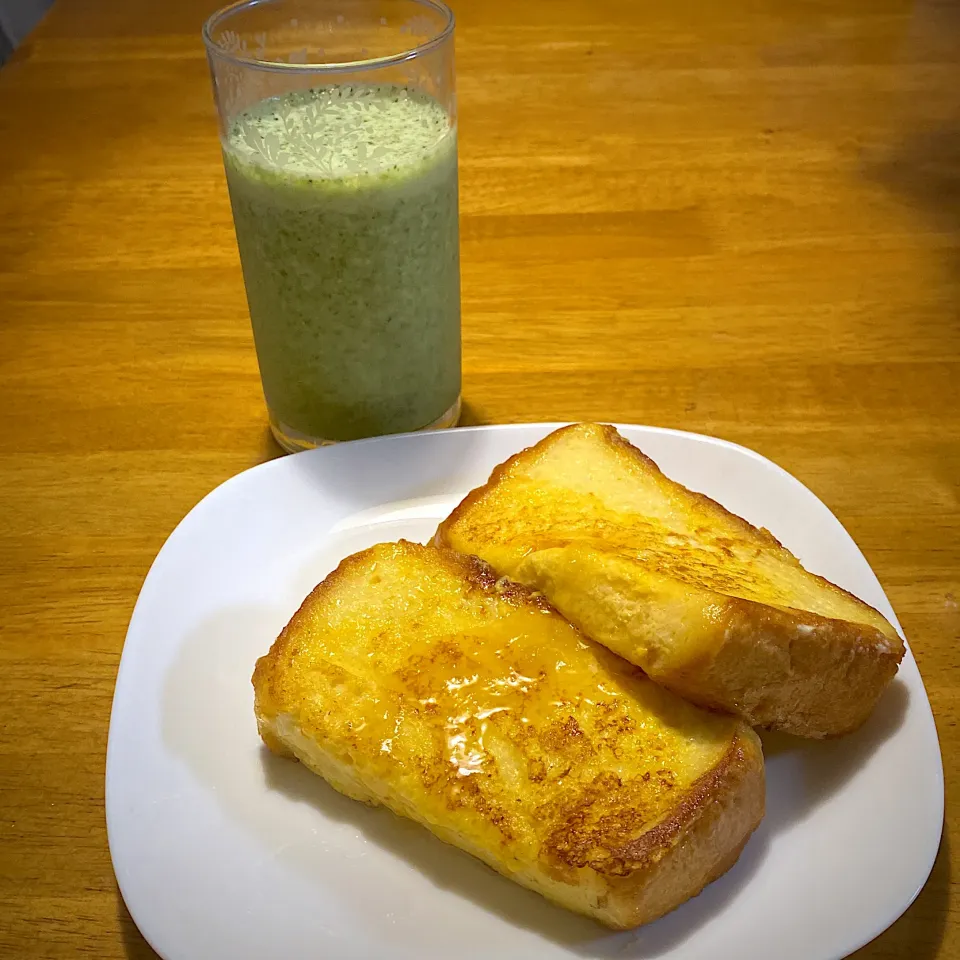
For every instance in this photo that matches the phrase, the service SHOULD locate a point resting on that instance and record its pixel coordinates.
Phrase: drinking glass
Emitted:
(338, 126)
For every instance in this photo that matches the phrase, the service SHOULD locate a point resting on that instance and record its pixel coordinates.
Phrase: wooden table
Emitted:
(741, 219)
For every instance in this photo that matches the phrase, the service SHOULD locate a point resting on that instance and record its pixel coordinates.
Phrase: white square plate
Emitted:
(223, 851)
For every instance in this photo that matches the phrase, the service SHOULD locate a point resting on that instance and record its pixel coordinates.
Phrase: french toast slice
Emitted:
(414, 678)
(706, 604)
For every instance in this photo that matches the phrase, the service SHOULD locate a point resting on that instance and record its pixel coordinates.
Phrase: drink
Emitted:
(345, 204)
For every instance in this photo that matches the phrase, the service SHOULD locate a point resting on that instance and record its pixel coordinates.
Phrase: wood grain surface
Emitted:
(741, 219)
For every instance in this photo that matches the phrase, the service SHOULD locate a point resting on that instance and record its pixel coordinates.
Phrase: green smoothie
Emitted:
(345, 205)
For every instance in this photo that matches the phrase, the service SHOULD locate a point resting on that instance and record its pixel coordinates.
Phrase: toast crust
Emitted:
(721, 633)
(623, 841)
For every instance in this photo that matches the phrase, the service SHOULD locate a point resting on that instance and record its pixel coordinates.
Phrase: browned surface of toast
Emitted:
(708, 605)
(413, 677)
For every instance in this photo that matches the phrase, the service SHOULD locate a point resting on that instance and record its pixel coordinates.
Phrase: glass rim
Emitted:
(343, 66)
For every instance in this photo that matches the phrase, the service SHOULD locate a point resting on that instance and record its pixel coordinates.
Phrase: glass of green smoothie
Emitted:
(339, 132)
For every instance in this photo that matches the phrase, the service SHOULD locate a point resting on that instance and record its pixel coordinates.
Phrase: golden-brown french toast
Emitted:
(706, 604)
(414, 678)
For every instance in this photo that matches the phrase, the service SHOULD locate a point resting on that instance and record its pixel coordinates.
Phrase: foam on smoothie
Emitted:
(345, 206)
(340, 131)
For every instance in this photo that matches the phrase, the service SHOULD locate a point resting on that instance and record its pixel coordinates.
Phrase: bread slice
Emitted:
(414, 678)
(708, 605)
